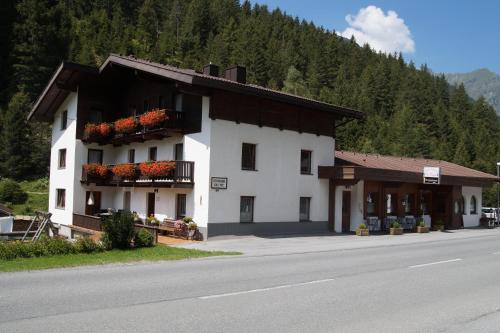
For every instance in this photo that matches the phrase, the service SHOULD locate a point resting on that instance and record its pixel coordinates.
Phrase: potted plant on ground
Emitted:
(361, 230)
(152, 220)
(438, 225)
(153, 118)
(125, 125)
(192, 227)
(396, 229)
(422, 228)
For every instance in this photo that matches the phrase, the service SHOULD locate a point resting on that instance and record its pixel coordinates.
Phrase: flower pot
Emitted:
(438, 227)
(422, 230)
(362, 232)
(396, 231)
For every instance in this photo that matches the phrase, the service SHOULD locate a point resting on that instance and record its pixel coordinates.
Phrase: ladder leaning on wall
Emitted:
(40, 221)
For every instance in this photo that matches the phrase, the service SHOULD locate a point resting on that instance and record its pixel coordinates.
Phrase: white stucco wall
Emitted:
(357, 192)
(277, 184)
(472, 220)
(63, 178)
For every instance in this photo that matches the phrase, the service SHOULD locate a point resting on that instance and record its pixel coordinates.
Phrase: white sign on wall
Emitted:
(432, 175)
(218, 183)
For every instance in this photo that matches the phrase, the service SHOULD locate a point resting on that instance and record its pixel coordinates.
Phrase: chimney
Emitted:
(211, 69)
(236, 74)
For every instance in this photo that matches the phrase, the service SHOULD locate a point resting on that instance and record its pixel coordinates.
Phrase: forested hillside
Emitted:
(409, 110)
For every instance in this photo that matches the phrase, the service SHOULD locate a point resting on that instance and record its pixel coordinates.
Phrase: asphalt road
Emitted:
(445, 286)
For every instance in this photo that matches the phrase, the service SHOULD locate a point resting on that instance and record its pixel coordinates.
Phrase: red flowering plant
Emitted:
(96, 170)
(153, 118)
(97, 131)
(124, 170)
(156, 169)
(125, 125)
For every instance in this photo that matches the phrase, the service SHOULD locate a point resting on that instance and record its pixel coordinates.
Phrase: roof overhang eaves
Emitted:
(295, 100)
(52, 84)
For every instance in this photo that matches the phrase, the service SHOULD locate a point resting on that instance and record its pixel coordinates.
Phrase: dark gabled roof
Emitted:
(66, 75)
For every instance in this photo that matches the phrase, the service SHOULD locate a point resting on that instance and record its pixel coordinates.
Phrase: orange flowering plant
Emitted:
(125, 125)
(96, 170)
(97, 130)
(156, 169)
(124, 170)
(153, 118)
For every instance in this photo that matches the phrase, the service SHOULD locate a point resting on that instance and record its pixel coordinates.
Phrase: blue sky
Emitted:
(449, 36)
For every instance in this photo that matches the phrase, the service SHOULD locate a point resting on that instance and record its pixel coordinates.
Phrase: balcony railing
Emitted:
(173, 123)
(181, 175)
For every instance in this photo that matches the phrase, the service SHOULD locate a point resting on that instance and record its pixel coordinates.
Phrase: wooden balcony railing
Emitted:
(87, 221)
(182, 175)
(174, 123)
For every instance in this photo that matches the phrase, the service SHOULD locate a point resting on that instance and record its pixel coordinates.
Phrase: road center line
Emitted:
(435, 263)
(265, 289)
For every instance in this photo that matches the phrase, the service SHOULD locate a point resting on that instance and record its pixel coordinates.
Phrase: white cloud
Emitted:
(386, 33)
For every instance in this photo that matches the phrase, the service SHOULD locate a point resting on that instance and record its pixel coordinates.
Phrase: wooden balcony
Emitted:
(174, 124)
(87, 221)
(182, 176)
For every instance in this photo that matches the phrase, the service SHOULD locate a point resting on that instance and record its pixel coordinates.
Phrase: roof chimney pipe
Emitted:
(237, 74)
(211, 69)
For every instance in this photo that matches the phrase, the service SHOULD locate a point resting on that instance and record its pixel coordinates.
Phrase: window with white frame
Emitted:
(246, 209)
(305, 209)
(60, 198)
(473, 205)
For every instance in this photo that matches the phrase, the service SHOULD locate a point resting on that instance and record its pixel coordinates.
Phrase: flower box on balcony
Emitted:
(156, 169)
(94, 170)
(125, 125)
(153, 119)
(96, 132)
(125, 171)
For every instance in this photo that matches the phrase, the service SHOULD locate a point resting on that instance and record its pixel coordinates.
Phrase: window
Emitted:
(152, 153)
(62, 158)
(391, 204)
(178, 102)
(462, 205)
(60, 198)
(179, 152)
(408, 202)
(246, 209)
(305, 207)
(64, 120)
(181, 206)
(126, 201)
(248, 156)
(95, 116)
(94, 156)
(372, 204)
(305, 162)
(131, 156)
(473, 205)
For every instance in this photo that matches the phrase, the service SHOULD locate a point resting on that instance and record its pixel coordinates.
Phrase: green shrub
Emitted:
(187, 219)
(120, 230)
(106, 242)
(143, 238)
(362, 226)
(396, 225)
(11, 191)
(421, 224)
(87, 245)
(43, 247)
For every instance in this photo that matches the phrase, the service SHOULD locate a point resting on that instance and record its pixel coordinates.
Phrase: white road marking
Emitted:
(496, 252)
(435, 263)
(265, 289)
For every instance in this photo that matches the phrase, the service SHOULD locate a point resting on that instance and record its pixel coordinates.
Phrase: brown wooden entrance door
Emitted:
(151, 203)
(95, 206)
(346, 211)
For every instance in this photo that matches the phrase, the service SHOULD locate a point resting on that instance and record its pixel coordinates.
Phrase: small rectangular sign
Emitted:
(432, 175)
(219, 183)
